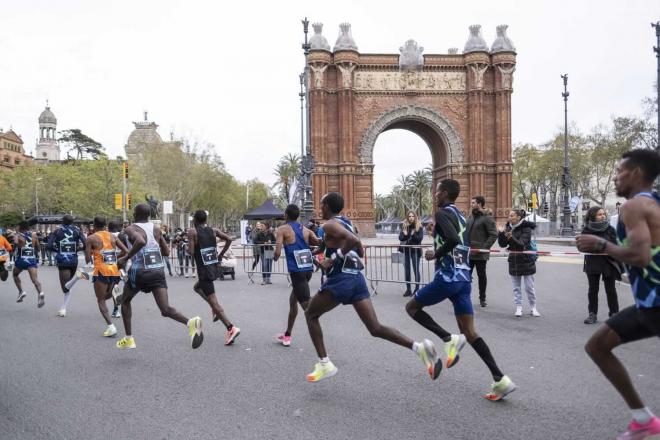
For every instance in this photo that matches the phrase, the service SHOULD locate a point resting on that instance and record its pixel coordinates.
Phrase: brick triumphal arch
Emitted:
(460, 104)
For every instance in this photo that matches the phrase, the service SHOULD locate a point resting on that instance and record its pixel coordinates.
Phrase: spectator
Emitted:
(168, 239)
(411, 234)
(185, 261)
(597, 266)
(256, 249)
(482, 232)
(517, 237)
(265, 238)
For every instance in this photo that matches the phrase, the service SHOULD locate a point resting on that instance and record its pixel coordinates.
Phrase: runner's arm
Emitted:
(138, 243)
(311, 237)
(224, 237)
(337, 232)
(449, 234)
(88, 250)
(638, 251)
(279, 241)
(122, 247)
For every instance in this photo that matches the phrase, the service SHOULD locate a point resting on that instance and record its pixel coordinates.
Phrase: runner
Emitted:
(114, 227)
(27, 249)
(299, 260)
(147, 274)
(638, 234)
(65, 241)
(101, 249)
(5, 251)
(347, 285)
(452, 281)
(202, 246)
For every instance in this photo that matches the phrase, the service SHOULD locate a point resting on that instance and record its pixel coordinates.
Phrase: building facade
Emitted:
(48, 149)
(12, 153)
(143, 136)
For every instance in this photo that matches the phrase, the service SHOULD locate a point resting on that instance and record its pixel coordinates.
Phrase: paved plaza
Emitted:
(62, 380)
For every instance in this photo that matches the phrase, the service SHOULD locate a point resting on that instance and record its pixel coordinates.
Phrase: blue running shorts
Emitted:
(458, 292)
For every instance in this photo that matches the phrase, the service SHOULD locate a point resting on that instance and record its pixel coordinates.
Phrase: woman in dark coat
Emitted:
(597, 266)
(411, 234)
(517, 237)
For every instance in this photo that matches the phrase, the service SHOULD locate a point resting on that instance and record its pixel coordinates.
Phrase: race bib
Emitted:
(27, 252)
(303, 258)
(109, 257)
(153, 258)
(66, 247)
(3, 252)
(352, 263)
(461, 256)
(209, 256)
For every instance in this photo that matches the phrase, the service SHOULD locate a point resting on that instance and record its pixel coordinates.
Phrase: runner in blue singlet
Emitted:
(27, 251)
(638, 234)
(66, 241)
(346, 284)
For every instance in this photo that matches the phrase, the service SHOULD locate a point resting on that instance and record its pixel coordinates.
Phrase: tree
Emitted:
(83, 145)
(287, 171)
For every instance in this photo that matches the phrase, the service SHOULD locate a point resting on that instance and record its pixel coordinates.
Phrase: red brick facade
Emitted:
(459, 104)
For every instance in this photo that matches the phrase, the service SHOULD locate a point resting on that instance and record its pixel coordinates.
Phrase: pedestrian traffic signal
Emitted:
(124, 166)
(128, 201)
(118, 201)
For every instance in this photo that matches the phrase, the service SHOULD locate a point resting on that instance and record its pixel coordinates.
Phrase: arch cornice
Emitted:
(429, 117)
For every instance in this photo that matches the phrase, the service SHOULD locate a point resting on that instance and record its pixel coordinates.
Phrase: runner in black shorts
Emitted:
(66, 241)
(638, 235)
(202, 245)
(299, 260)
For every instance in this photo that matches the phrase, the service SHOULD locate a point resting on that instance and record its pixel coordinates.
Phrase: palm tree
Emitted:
(420, 182)
(286, 170)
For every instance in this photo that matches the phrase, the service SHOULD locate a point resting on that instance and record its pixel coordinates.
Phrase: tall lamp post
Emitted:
(36, 196)
(566, 226)
(656, 49)
(307, 161)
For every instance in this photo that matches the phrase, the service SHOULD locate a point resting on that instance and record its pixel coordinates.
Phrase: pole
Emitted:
(247, 196)
(302, 115)
(656, 49)
(36, 198)
(307, 162)
(566, 227)
(124, 214)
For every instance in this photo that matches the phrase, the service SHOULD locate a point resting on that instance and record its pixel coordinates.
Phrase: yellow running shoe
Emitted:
(452, 348)
(322, 371)
(428, 354)
(195, 331)
(126, 343)
(499, 390)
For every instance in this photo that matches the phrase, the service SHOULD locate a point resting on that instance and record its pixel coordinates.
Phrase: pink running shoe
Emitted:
(232, 335)
(284, 339)
(637, 431)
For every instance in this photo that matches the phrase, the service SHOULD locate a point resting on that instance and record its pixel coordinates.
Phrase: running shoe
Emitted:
(535, 312)
(82, 274)
(518, 313)
(322, 371)
(9, 266)
(21, 297)
(110, 331)
(116, 312)
(195, 331)
(126, 343)
(232, 334)
(637, 431)
(499, 390)
(42, 300)
(284, 339)
(453, 348)
(429, 357)
(61, 313)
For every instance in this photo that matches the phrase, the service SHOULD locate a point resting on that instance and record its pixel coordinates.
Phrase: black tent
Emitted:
(267, 211)
(54, 219)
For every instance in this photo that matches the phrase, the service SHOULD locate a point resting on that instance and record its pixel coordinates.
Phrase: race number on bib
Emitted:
(3, 252)
(209, 256)
(109, 256)
(303, 258)
(352, 263)
(27, 252)
(153, 259)
(461, 256)
(67, 247)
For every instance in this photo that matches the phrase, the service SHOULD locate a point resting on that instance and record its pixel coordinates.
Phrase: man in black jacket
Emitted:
(482, 231)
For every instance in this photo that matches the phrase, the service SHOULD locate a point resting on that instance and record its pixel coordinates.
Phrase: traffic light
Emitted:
(124, 167)
(530, 206)
(128, 201)
(546, 207)
(118, 201)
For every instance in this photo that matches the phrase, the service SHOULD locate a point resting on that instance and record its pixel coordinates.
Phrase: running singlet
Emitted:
(26, 254)
(455, 265)
(351, 263)
(645, 281)
(105, 260)
(65, 242)
(298, 254)
(149, 257)
(206, 254)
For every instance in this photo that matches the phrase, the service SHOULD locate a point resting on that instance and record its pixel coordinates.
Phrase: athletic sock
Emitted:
(642, 415)
(67, 296)
(324, 360)
(287, 334)
(425, 320)
(416, 346)
(229, 327)
(483, 351)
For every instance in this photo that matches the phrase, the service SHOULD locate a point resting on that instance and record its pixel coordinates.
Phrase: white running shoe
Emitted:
(21, 297)
(61, 313)
(110, 331)
(535, 312)
(518, 311)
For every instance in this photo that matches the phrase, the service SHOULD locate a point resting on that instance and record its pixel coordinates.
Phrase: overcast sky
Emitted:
(227, 72)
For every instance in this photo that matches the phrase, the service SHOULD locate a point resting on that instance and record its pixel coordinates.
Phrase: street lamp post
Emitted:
(307, 161)
(36, 196)
(566, 226)
(656, 49)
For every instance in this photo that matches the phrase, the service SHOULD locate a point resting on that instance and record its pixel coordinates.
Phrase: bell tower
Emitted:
(47, 149)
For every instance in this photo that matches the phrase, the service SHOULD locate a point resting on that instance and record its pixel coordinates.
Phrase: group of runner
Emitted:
(143, 245)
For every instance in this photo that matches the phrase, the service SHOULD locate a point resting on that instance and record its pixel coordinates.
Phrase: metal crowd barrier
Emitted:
(386, 263)
(253, 258)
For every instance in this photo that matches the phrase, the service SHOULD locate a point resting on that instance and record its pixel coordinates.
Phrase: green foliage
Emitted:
(8, 219)
(287, 171)
(411, 193)
(84, 146)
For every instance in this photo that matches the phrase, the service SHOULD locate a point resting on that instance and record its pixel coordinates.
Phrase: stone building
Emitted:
(11, 151)
(48, 150)
(145, 135)
(459, 103)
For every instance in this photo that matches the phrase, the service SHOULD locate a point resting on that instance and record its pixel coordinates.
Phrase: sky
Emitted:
(227, 72)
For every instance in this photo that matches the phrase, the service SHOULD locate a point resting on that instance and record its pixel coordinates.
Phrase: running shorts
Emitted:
(147, 280)
(346, 288)
(300, 285)
(24, 265)
(633, 324)
(438, 290)
(106, 279)
(72, 267)
(206, 286)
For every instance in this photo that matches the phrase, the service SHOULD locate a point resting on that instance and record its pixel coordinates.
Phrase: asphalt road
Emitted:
(60, 379)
